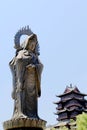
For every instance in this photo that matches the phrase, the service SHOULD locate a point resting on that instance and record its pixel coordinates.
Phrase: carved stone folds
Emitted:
(26, 70)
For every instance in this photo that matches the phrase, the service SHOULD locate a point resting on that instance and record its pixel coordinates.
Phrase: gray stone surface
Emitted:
(26, 71)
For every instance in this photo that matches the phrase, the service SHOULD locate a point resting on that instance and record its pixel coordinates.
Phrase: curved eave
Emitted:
(61, 111)
(74, 109)
(56, 102)
(75, 104)
(67, 99)
(85, 110)
(71, 92)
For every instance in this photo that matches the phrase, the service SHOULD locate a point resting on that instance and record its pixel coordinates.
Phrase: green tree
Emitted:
(81, 121)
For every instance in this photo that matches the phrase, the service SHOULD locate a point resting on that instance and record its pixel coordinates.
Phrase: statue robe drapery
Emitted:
(26, 70)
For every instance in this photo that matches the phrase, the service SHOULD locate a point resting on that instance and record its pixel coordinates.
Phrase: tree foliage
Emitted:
(82, 121)
(63, 128)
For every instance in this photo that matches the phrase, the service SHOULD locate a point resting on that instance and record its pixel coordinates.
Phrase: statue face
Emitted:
(32, 45)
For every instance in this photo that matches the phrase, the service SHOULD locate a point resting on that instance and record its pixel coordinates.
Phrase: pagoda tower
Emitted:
(71, 103)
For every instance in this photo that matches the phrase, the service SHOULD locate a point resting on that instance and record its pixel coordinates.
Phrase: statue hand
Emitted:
(30, 66)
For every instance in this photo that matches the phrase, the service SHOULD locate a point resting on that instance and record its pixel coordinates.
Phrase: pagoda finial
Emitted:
(70, 85)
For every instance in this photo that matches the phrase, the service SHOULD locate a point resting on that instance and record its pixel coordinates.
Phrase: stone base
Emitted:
(24, 128)
(24, 124)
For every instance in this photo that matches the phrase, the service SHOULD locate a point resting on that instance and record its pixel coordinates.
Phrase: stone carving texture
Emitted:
(26, 70)
(24, 123)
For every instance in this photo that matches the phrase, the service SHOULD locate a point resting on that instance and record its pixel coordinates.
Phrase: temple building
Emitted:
(71, 103)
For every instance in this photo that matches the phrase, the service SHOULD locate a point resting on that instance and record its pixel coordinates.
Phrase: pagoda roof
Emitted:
(70, 89)
(70, 98)
(75, 105)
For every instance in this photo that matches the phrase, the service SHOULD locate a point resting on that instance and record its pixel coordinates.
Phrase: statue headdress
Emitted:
(24, 31)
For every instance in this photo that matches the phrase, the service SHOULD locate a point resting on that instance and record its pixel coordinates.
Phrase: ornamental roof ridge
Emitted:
(70, 89)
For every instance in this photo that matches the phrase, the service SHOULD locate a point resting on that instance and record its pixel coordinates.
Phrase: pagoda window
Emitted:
(73, 114)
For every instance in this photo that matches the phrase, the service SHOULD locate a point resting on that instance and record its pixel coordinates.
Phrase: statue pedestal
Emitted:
(24, 124)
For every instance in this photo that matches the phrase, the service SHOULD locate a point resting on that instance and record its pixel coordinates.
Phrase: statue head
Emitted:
(30, 43)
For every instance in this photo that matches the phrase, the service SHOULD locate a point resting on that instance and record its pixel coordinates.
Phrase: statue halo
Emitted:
(23, 31)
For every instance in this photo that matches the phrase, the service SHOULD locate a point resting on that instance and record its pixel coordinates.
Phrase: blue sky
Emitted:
(61, 27)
